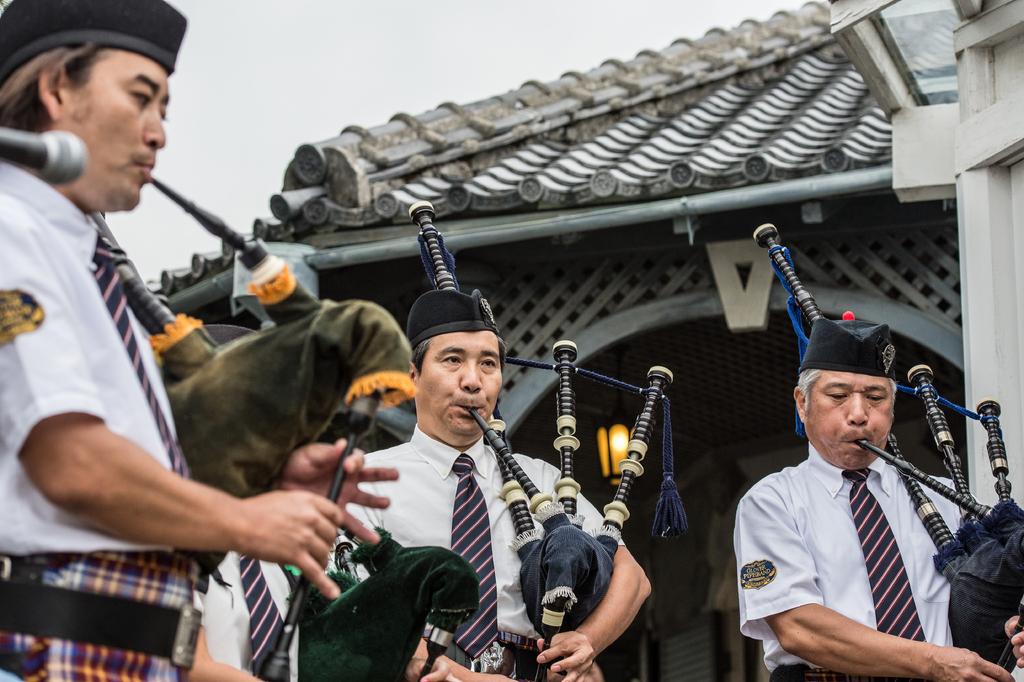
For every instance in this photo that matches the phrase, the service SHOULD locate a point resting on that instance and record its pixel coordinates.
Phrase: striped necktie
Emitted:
(264, 617)
(117, 305)
(895, 612)
(471, 539)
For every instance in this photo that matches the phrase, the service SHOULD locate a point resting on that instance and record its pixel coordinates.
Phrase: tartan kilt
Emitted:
(152, 577)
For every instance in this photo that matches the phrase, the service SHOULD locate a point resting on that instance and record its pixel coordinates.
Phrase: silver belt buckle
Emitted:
(496, 659)
(5, 567)
(183, 654)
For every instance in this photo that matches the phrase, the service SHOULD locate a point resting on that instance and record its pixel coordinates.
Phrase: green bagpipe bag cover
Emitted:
(371, 631)
(242, 408)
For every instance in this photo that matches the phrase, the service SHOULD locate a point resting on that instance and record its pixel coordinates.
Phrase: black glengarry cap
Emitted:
(850, 346)
(28, 28)
(446, 311)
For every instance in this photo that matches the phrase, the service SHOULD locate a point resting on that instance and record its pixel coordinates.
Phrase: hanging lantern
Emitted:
(612, 446)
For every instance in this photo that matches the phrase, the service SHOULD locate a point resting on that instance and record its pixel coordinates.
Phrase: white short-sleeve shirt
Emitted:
(226, 614)
(421, 509)
(796, 544)
(74, 361)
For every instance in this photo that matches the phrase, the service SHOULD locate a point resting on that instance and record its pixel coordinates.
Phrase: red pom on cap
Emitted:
(848, 315)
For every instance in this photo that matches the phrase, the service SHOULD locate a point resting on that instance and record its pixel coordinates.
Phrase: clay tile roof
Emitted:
(764, 101)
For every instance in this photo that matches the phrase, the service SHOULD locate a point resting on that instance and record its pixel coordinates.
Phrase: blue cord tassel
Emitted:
(669, 515)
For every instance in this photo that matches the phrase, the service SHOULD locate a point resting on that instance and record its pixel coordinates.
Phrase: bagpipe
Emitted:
(280, 385)
(425, 585)
(241, 408)
(984, 559)
(565, 570)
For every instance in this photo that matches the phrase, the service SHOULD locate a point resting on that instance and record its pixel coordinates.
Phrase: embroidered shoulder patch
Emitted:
(757, 574)
(19, 313)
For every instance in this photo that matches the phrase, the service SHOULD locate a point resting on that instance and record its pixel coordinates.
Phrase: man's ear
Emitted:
(798, 398)
(52, 89)
(413, 374)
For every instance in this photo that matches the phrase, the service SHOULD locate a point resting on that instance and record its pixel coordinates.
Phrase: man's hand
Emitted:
(312, 468)
(291, 527)
(440, 672)
(951, 664)
(1017, 638)
(575, 650)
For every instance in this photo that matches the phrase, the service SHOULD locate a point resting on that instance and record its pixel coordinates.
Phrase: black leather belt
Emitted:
(517, 662)
(803, 673)
(789, 673)
(28, 606)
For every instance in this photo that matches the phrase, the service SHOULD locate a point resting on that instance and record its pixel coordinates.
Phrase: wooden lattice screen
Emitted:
(540, 304)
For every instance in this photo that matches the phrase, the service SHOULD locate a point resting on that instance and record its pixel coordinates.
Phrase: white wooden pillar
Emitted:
(992, 294)
(990, 201)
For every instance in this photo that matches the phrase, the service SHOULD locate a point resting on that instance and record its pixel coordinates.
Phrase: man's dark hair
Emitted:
(420, 352)
(20, 106)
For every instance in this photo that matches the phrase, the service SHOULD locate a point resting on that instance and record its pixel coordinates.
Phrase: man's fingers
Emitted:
(365, 499)
(354, 463)
(560, 646)
(995, 672)
(375, 474)
(322, 456)
(326, 530)
(439, 673)
(315, 574)
(325, 585)
(571, 662)
(1010, 624)
(330, 510)
(320, 549)
(355, 527)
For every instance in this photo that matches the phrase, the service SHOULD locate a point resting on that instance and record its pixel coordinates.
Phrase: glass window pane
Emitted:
(919, 34)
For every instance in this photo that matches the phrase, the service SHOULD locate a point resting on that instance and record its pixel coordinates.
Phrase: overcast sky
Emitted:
(256, 79)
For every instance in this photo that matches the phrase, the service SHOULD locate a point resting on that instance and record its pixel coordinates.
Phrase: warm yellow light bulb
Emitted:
(602, 452)
(618, 440)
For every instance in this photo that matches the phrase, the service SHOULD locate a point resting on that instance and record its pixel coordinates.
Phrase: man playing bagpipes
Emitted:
(94, 486)
(449, 495)
(835, 571)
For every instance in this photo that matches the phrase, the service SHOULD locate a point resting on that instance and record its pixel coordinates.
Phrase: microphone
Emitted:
(58, 156)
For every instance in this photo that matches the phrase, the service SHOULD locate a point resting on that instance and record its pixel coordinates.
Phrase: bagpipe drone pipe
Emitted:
(565, 570)
(984, 560)
(243, 406)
